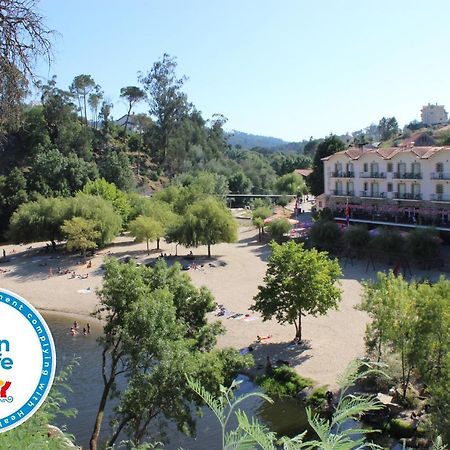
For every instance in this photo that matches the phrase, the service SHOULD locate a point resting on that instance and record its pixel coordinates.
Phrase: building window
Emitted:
(415, 168)
(375, 190)
(389, 187)
(440, 167)
(401, 188)
(350, 167)
(374, 168)
(365, 167)
(389, 167)
(365, 186)
(338, 167)
(350, 188)
(439, 189)
(401, 168)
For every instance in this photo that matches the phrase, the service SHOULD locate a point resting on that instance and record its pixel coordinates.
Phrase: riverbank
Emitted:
(233, 275)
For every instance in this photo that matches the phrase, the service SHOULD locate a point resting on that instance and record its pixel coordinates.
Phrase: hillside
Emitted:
(248, 141)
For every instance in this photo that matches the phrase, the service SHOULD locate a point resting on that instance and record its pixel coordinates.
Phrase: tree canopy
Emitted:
(206, 222)
(298, 282)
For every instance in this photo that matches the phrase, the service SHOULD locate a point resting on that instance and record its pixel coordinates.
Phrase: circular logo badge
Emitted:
(27, 360)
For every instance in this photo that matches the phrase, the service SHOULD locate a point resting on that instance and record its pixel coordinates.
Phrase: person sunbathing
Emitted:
(263, 338)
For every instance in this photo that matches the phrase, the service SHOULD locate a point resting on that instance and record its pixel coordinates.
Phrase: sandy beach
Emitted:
(233, 275)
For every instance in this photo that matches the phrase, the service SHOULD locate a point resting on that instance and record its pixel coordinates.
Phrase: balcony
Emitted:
(440, 176)
(372, 175)
(407, 176)
(440, 198)
(407, 196)
(343, 174)
(368, 194)
(341, 193)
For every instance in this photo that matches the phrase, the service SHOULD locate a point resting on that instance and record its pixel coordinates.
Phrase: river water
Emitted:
(286, 417)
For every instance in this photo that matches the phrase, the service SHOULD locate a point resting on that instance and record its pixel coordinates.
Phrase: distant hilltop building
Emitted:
(434, 114)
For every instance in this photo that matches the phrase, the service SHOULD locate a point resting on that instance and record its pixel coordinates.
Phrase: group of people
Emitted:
(75, 329)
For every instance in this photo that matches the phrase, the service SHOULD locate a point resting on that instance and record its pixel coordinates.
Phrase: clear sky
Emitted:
(288, 68)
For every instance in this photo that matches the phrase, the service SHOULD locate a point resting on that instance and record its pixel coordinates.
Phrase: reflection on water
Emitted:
(284, 416)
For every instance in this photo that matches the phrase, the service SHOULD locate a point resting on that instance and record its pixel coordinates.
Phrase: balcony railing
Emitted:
(342, 193)
(372, 175)
(440, 176)
(440, 198)
(408, 175)
(343, 174)
(372, 194)
(407, 196)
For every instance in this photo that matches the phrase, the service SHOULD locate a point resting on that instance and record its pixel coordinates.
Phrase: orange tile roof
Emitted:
(303, 172)
(387, 153)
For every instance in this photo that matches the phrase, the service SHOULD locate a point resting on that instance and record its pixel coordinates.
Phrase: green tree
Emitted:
(81, 234)
(146, 229)
(99, 210)
(167, 102)
(278, 228)
(115, 167)
(154, 323)
(325, 234)
(94, 101)
(239, 183)
(81, 87)
(206, 222)
(109, 192)
(133, 95)
(388, 128)
(258, 216)
(290, 183)
(158, 210)
(329, 146)
(357, 237)
(297, 282)
(40, 220)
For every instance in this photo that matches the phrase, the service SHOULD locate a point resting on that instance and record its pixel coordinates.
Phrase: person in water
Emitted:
(88, 326)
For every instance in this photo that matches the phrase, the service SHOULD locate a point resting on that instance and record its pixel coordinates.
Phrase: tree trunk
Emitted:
(148, 249)
(100, 415)
(53, 245)
(84, 256)
(157, 243)
(209, 250)
(299, 327)
(128, 116)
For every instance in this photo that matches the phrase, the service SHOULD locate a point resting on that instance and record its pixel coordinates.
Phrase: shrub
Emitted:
(423, 244)
(401, 428)
(278, 228)
(324, 214)
(325, 234)
(283, 382)
(356, 237)
(389, 241)
(318, 398)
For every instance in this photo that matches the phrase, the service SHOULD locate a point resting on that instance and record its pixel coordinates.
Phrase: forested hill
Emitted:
(248, 141)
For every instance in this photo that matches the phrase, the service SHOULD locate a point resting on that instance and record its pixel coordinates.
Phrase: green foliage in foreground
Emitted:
(412, 322)
(331, 434)
(283, 382)
(33, 434)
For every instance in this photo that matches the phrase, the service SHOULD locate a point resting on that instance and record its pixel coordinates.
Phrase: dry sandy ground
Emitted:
(330, 342)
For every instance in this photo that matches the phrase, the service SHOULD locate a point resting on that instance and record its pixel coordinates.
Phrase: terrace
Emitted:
(392, 215)
(372, 175)
(343, 174)
(440, 176)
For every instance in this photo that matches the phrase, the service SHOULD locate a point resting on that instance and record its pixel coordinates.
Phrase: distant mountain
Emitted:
(248, 141)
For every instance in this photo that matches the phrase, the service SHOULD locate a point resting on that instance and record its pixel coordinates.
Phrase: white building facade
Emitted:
(389, 182)
(434, 114)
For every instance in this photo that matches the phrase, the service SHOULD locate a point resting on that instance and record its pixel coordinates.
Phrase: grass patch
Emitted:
(283, 382)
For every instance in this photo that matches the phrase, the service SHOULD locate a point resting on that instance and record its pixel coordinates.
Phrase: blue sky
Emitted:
(290, 69)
